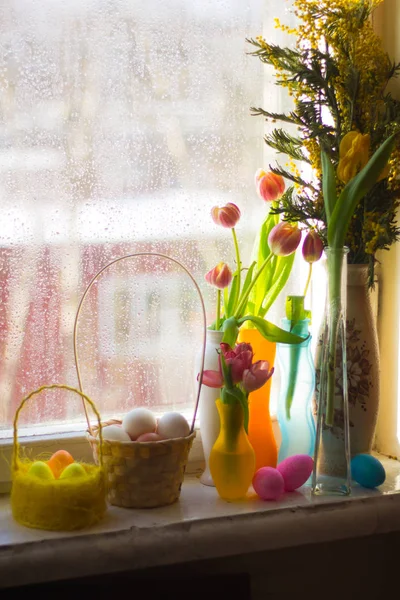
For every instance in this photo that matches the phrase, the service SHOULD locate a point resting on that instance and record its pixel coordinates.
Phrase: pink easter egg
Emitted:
(268, 483)
(149, 437)
(295, 470)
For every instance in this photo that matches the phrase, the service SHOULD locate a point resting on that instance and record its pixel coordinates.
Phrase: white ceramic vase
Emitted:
(208, 413)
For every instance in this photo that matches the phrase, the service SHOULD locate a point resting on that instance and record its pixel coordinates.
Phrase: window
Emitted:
(122, 124)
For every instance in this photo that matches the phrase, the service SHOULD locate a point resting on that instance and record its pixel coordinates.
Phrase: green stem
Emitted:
(244, 298)
(335, 261)
(239, 268)
(308, 280)
(294, 357)
(217, 320)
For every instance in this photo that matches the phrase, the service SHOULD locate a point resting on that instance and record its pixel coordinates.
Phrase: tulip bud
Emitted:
(227, 215)
(258, 374)
(284, 238)
(220, 276)
(312, 247)
(270, 186)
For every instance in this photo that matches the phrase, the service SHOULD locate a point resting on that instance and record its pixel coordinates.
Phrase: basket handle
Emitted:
(58, 386)
(136, 255)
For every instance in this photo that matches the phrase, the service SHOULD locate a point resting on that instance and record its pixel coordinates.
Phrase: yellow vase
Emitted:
(232, 459)
(261, 434)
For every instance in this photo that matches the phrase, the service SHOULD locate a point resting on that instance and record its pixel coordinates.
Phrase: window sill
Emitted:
(199, 526)
(76, 443)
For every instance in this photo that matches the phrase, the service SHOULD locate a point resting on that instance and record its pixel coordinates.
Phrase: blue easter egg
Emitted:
(367, 471)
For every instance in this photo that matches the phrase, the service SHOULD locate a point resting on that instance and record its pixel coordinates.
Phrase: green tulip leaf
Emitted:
(272, 332)
(230, 328)
(249, 277)
(230, 299)
(328, 185)
(282, 272)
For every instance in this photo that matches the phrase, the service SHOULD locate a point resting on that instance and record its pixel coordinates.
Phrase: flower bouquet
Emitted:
(232, 458)
(347, 125)
(337, 75)
(249, 293)
(247, 296)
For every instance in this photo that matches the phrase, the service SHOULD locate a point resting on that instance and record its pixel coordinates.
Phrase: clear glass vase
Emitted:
(331, 474)
(296, 391)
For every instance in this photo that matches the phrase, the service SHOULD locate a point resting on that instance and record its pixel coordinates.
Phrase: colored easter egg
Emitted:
(149, 437)
(295, 470)
(73, 471)
(41, 470)
(367, 470)
(59, 461)
(268, 483)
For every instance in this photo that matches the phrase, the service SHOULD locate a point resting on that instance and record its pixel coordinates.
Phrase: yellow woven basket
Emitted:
(56, 504)
(142, 474)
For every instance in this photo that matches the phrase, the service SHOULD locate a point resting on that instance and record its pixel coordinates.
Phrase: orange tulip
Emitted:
(220, 276)
(270, 187)
(284, 238)
(227, 215)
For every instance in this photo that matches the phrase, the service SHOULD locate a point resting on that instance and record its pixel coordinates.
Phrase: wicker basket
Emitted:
(56, 504)
(143, 474)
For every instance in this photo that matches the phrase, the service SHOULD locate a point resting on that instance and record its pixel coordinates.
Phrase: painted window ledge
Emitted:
(199, 526)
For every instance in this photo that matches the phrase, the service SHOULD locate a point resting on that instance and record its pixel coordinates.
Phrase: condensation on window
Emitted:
(122, 123)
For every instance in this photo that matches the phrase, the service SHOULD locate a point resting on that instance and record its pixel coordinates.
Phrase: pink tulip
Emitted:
(220, 276)
(238, 359)
(257, 375)
(284, 239)
(213, 379)
(270, 187)
(227, 215)
(312, 247)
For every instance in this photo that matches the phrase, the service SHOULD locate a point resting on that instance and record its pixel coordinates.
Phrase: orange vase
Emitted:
(261, 435)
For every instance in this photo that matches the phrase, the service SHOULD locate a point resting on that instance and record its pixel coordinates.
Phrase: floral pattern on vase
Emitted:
(362, 365)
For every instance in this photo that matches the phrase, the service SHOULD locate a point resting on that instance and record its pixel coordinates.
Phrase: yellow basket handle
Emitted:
(136, 255)
(55, 386)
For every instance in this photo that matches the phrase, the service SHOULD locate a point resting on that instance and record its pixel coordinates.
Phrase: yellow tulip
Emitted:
(353, 155)
(354, 151)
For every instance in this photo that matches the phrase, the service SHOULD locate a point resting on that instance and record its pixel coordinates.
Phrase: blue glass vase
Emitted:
(297, 388)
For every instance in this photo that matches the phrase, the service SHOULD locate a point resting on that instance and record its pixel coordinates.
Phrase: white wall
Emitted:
(387, 24)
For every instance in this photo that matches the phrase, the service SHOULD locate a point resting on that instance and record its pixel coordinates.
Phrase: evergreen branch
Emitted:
(291, 177)
(291, 118)
(287, 59)
(299, 208)
(285, 143)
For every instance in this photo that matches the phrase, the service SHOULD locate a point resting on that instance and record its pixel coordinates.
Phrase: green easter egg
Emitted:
(73, 471)
(41, 470)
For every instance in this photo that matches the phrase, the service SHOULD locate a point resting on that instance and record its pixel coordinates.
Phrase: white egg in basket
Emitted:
(173, 425)
(115, 433)
(139, 421)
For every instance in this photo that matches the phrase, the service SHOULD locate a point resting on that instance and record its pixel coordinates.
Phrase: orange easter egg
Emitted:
(59, 461)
